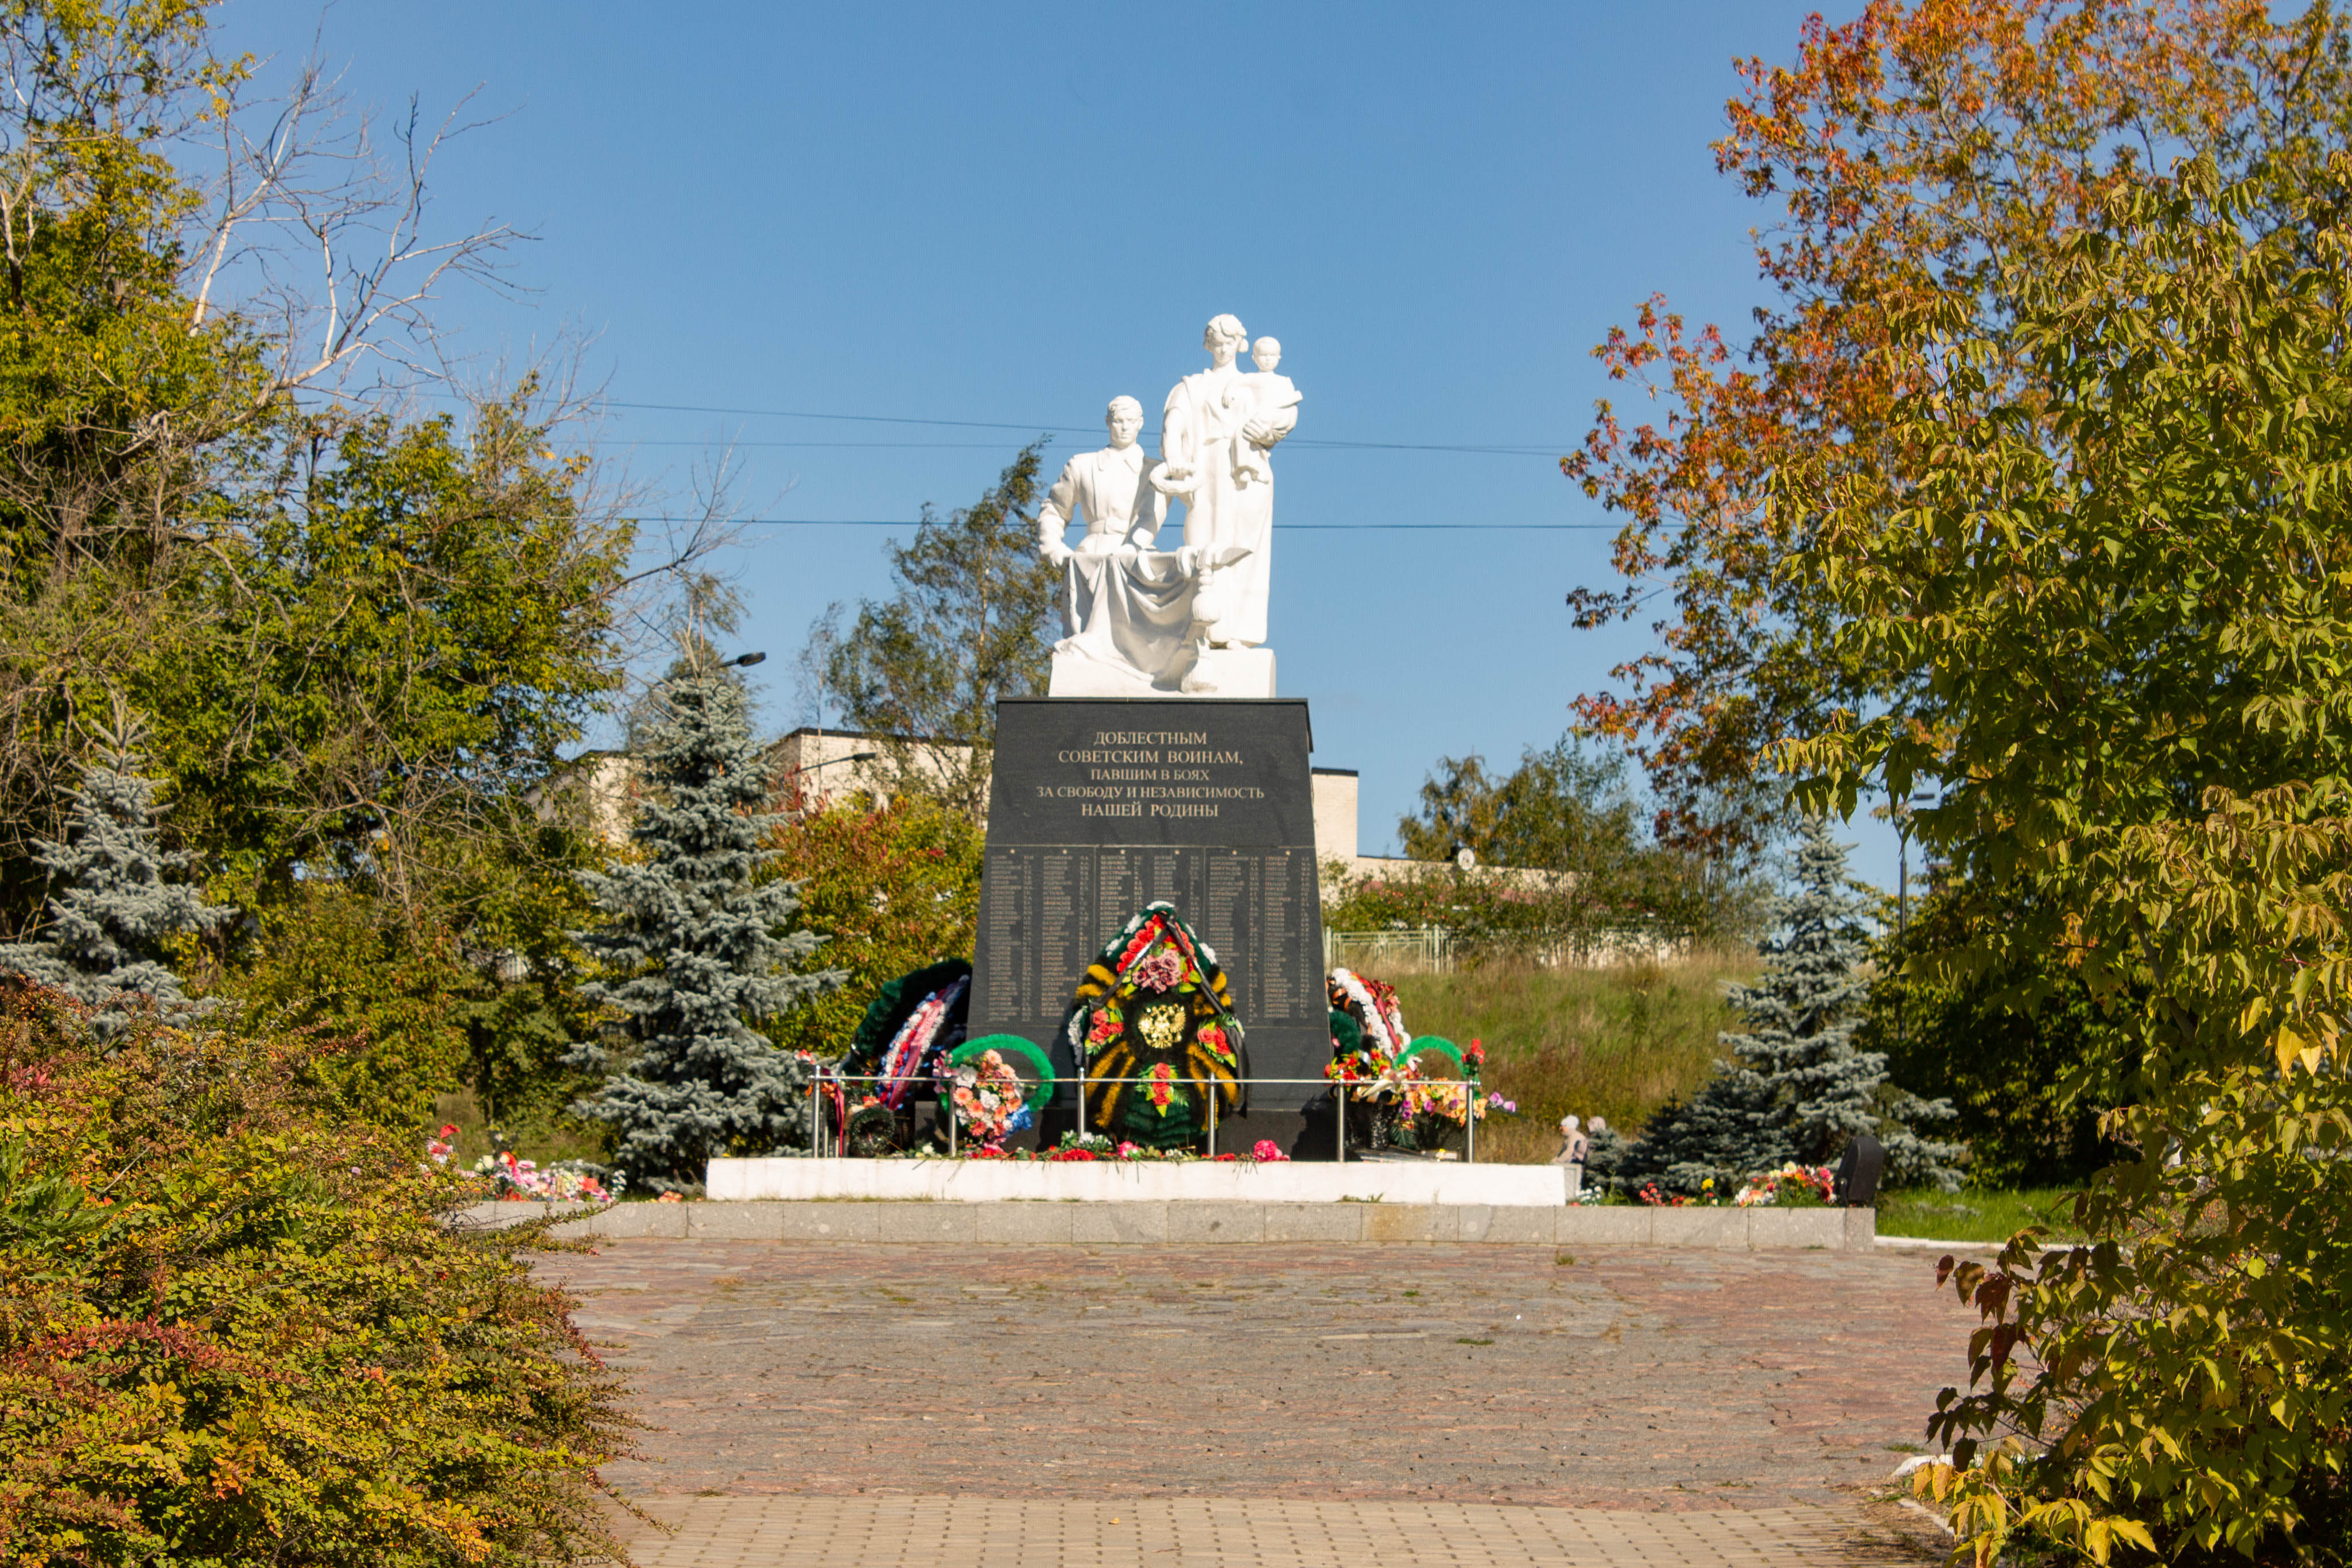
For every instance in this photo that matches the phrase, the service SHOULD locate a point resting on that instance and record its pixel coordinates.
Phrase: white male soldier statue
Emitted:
(1109, 490)
(1127, 605)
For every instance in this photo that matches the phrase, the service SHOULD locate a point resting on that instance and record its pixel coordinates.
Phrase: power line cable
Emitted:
(1287, 527)
(1491, 450)
(1149, 437)
(1294, 442)
(879, 446)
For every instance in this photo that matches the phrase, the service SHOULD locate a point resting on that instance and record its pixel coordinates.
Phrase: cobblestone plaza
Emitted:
(854, 1402)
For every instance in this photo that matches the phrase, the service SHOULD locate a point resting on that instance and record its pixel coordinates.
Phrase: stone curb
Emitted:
(1208, 1224)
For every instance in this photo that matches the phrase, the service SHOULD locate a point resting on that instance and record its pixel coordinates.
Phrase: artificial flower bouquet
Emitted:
(1790, 1186)
(1077, 1148)
(517, 1180)
(566, 1181)
(1658, 1197)
(988, 1098)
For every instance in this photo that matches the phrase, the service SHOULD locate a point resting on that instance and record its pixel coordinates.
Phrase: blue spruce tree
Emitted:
(700, 943)
(113, 911)
(1729, 1129)
(1796, 1087)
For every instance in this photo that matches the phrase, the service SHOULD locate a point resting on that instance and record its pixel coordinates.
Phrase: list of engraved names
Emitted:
(1099, 807)
(1048, 909)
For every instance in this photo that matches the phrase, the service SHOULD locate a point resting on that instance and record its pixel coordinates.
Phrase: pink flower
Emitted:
(1269, 1150)
(1163, 971)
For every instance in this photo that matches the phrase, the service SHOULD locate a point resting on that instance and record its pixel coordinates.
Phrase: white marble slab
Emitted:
(1112, 1180)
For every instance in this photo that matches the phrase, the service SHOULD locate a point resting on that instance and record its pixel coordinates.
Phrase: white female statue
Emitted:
(1216, 432)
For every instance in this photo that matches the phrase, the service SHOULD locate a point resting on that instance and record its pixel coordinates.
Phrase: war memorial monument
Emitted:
(1147, 980)
(1161, 768)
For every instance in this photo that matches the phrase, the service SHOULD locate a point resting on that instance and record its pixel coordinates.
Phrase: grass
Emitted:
(1975, 1214)
(1617, 1042)
(1611, 1042)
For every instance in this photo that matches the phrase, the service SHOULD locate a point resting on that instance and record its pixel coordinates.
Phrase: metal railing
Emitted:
(1470, 1091)
(1429, 948)
(1434, 949)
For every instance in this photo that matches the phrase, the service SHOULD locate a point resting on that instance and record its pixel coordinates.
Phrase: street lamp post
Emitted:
(798, 773)
(1903, 897)
(1902, 861)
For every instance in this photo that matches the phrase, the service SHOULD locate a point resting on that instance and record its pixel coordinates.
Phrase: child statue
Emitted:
(1260, 396)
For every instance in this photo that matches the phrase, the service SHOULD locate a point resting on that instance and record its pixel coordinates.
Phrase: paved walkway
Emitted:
(1237, 1533)
(880, 1405)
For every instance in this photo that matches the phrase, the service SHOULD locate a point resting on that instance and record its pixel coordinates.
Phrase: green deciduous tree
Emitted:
(411, 623)
(2027, 1056)
(358, 638)
(154, 348)
(1560, 809)
(2120, 594)
(1581, 867)
(971, 619)
(1915, 151)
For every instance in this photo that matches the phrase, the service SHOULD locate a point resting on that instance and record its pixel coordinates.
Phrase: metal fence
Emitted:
(1434, 949)
(837, 1085)
(1426, 948)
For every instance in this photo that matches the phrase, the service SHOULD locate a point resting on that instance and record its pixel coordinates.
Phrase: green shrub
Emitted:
(2027, 1056)
(335, 962)
(426, 1013)
(235, 1330)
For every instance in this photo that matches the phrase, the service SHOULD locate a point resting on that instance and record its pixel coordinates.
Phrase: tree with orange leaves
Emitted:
(1926, 150)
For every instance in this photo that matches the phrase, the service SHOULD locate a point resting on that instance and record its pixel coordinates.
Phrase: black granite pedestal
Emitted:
(1101, 805)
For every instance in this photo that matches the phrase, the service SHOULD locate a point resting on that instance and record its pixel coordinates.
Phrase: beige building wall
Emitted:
(1335, 813)
(832, 765)
(829, 764)
(597, 786)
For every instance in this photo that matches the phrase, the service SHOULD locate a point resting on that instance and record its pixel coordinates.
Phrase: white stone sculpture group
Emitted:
(1139, 620)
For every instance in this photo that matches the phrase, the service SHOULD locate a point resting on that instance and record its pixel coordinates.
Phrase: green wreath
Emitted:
(1010, 1047)
(1444, 1047)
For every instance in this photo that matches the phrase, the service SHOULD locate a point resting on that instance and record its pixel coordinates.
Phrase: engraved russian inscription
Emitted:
(1098, 808)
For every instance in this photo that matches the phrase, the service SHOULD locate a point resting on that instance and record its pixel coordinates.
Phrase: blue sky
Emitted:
(1007, 215)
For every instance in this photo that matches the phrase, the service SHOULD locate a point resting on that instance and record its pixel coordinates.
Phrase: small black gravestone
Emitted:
(1100, 806)
(1858, 1172)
